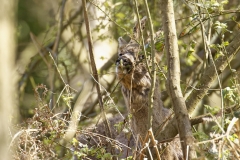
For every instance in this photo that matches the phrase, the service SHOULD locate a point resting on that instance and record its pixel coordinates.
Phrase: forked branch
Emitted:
(204, 85)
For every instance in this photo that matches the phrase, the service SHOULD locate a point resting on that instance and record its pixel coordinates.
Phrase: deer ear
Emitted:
(136, 28)
(121, 42)
(121, 45)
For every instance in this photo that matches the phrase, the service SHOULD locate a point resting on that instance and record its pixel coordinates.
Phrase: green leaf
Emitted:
(119, 126)
(120, 15)
(224, 2)
(159, 46)
(212, 110)
(74, 141)
(229, 94)
(225, 43)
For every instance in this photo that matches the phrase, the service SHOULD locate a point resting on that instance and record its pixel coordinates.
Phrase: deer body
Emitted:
(136, 86)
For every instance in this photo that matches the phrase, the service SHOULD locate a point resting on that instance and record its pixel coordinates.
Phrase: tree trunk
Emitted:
(173, 84)
(7, 83)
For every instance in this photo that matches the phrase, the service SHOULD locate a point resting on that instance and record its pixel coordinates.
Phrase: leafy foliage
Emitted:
(46, 110)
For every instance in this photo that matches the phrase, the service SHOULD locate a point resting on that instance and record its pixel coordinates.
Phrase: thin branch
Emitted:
(141, 35)
(204, 85)
(210, 73)
(77, 113)
(94, 70)
(60, 25)
(55, 64)
(153, 71)
(154, 144)
(109, 96)
(105, 137)
(55, 53)
(72, 18)
(107, 15)
(205, 19)
(206, 42)
(39, 49)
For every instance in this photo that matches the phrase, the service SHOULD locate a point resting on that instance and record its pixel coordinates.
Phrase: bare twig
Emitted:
(55, 64)
(141, 35)
(94, 70)
(204, 85)
(55, 53)
(67, 87)
(206, 42)
(210, 73)
(153, 71)
(142, 153)
(108, 16)
(224, 137)
(39, 49)
(71, 19)
(149, 138)
(154, 144)
(105, 137)
(60, 25)
(230, 126)
(77, 113)
(108, 95)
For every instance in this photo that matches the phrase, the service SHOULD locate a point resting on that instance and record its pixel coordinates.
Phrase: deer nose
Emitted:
(123, 58)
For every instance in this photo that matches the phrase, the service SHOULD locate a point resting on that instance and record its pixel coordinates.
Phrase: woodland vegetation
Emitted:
(58, 80)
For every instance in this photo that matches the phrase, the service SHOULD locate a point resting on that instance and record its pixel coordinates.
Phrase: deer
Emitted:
(135, 80)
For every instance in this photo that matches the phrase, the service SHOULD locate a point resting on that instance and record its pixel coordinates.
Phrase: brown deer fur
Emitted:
(136, 84)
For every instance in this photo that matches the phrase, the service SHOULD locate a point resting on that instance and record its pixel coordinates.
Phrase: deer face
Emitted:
(126, 56)
(127, 52)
